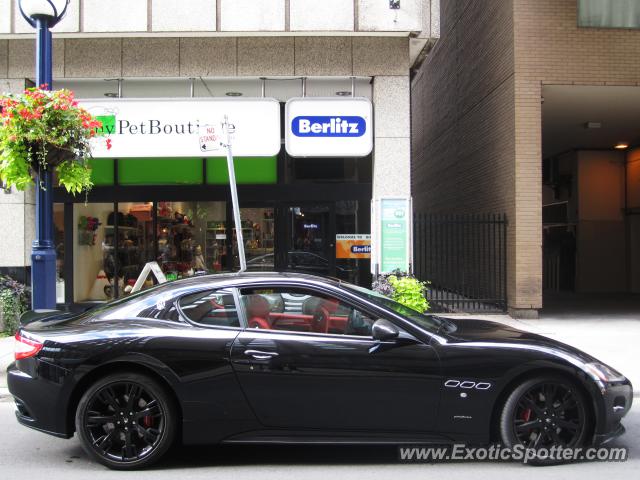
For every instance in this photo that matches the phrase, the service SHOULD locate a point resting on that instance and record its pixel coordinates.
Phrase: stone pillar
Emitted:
(392, 142)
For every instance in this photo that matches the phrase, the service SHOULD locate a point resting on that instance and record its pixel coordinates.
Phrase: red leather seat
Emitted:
(258, 309)
(320, 322)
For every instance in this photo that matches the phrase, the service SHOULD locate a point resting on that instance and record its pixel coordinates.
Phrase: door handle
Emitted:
(260, 355)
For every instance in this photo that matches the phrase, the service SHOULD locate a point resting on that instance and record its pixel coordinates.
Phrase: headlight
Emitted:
(604, 373)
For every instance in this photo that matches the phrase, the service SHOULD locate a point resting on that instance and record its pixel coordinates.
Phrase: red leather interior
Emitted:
(258, 311)
(321, 321)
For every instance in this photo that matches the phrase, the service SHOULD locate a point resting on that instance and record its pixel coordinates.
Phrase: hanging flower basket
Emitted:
(43, 130)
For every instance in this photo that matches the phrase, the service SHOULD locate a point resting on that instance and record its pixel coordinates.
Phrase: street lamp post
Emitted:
(42, 15)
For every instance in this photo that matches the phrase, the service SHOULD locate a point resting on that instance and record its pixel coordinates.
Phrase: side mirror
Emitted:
(384, 330)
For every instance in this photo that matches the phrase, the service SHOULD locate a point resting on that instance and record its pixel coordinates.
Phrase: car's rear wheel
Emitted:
(545, 412)
(126, 421)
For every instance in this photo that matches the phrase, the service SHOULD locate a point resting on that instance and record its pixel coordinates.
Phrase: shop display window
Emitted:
(58, 241)
(111, 247)
(258, 237)
(191, 238)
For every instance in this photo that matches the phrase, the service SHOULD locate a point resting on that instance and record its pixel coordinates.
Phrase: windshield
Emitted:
(428, 322)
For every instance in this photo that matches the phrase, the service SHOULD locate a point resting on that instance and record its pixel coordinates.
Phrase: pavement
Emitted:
(26, 453)
(6, 357)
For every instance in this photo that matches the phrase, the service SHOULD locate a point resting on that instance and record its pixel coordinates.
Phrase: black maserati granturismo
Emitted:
(291, 358)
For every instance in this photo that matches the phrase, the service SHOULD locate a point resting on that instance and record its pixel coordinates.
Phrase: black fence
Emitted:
(464, 257)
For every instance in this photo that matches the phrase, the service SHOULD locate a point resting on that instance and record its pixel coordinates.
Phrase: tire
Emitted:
(543, 412)
(126, 421)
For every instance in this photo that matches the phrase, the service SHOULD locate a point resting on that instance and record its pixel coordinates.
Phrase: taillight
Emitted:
(25, 347)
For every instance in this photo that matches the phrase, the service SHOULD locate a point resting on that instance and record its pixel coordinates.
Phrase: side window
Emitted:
(159, 305)
(303, 310)
(211, 308)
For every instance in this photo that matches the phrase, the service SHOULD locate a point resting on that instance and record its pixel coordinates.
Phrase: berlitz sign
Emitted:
(328, 127)
(185, 128)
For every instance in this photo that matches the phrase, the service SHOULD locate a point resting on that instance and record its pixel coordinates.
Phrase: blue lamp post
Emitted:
(42, 15)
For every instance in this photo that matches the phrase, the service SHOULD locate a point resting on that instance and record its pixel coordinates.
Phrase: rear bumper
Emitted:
(38, 403)
(616, 403)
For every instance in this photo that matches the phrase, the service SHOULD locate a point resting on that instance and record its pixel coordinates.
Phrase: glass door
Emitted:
(308, 245)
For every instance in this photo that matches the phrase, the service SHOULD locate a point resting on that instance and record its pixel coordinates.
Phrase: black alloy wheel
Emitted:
(126, 421)
(545, 412)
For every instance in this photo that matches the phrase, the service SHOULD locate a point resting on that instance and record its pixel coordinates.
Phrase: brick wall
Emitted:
(476, 113)
(551, 49)
(463, 123)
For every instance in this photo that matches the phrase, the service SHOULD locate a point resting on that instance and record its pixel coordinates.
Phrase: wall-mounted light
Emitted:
(343, 93)
(394, 4)
(111, 95)
(621, 146)
(233, 94)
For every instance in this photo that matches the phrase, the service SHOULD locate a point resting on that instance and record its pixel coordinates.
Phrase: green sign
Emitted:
(394, 234)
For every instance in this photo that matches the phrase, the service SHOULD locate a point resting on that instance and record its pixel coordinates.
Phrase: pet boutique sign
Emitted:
(185, 128)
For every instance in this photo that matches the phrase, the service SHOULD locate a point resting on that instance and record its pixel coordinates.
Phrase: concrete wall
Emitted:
(17, 209)
(162, 16)
(221, 57)
(601, 260)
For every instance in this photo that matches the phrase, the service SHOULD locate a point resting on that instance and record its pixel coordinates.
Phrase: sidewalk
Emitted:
(6, 357)
(612, 339)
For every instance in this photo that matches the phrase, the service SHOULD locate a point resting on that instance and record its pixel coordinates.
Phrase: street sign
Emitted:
(394, 234)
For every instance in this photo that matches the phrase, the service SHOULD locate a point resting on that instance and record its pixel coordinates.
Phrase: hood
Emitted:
(485, 331)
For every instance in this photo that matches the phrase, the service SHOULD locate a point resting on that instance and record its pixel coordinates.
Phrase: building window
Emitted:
(609, 13)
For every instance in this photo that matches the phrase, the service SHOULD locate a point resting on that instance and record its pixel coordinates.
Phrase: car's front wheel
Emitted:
(545, 412)
(126, 421)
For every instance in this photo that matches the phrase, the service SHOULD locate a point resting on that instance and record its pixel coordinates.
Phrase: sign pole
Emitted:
(234, 197)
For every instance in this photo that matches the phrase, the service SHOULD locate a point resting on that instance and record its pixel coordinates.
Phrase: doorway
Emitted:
(308, 245)
(289, 237)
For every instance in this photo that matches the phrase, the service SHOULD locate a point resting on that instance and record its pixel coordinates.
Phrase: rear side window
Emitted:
(211, 308)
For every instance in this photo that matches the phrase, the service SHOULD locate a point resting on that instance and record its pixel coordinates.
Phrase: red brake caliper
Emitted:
(147, 421)
(526, 414)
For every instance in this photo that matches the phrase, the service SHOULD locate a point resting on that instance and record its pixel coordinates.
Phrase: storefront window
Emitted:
(58, 240)
(191, 238)
(353, 217)
(258, 237)
(134, 241)
(93, 252)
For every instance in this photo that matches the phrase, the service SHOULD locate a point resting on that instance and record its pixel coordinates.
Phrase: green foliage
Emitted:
(45, 130)
(404, 289)
(15, 299)
(409, 291)
(75, 176)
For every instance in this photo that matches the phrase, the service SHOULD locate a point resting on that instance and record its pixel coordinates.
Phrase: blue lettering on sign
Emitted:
(328, 126)
(360, 248)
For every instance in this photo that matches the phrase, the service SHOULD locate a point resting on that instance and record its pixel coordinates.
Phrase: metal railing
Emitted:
(464, 257)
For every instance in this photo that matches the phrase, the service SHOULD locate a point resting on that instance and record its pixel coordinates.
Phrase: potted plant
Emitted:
(44, 130)
(404, 288)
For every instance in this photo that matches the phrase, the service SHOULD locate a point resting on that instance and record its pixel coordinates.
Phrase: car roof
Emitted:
(239, 277)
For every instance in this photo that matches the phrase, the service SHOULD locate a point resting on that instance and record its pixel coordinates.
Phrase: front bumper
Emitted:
(614, 405)
(38, 402)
